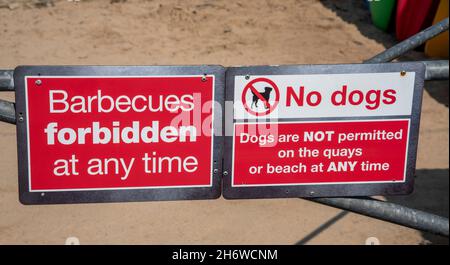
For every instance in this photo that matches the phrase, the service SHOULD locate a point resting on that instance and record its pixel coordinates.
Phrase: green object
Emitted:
(381, 11)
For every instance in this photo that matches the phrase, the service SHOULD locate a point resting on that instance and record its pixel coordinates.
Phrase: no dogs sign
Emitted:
(340, 130)
(94, 134)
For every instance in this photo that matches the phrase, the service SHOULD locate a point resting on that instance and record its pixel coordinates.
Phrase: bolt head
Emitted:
(38, 82)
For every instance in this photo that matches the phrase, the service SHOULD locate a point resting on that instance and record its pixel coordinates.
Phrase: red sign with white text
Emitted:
(319, 152)
(95, 133)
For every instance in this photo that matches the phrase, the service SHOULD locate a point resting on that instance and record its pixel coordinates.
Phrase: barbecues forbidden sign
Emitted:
(313, 131)
(101, 134)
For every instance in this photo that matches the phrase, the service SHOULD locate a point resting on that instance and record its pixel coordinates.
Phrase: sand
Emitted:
(250, 32)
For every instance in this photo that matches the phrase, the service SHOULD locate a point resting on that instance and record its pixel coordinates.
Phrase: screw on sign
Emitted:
(258, 96)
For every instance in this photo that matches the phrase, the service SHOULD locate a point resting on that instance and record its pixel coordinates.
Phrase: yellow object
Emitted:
(438, 46)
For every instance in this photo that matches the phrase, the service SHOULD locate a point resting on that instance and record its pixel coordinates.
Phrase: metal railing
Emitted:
(387, 211)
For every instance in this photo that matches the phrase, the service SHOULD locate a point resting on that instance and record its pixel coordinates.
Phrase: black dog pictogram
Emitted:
(265, 95)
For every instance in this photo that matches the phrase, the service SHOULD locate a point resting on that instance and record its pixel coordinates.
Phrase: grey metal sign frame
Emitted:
(92, 196)
(326, 190)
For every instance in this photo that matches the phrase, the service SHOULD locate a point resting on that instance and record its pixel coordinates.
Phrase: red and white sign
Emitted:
(119, 132)
(324, 95)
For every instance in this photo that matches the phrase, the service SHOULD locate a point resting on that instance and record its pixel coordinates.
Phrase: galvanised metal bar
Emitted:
(7, 112)
(391, 212)
(6, 80)
(436, 70)
(410, 43)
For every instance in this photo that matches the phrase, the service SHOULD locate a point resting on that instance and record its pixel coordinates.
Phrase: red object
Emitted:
(57, 131)
(412, 17)
(270, 164)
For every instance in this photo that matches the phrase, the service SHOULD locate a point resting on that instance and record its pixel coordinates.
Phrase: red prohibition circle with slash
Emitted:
(250, 86)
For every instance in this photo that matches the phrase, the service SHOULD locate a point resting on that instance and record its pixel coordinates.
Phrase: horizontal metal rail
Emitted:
(391, 212)
(410, 43)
